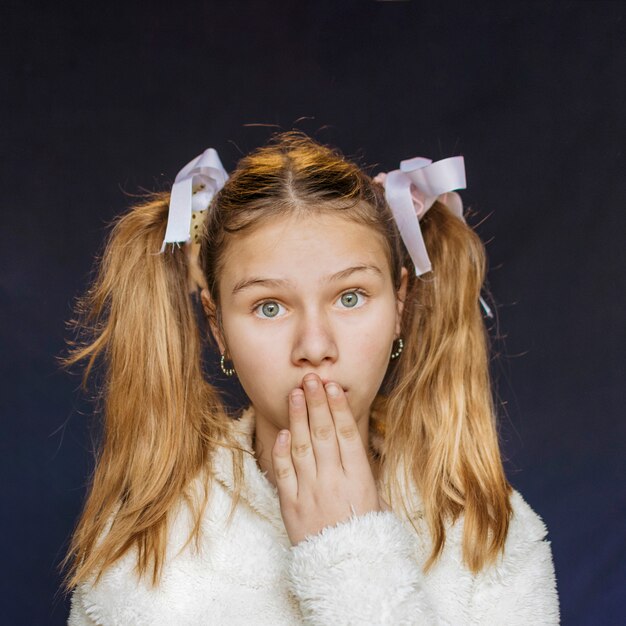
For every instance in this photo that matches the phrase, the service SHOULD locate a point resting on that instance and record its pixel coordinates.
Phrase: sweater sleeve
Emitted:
(359, 572)
(362, 571)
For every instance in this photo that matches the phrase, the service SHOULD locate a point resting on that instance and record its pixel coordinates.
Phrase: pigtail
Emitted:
(161, 418)
(450, 440)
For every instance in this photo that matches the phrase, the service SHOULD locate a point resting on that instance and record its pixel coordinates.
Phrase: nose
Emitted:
(314, 340)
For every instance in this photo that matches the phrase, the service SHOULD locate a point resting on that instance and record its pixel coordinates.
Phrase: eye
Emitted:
(350, 299)
(268, 309)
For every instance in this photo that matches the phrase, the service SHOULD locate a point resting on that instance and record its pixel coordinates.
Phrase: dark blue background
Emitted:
(103, 100)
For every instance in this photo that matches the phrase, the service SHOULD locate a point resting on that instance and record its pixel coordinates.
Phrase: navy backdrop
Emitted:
(103, 100)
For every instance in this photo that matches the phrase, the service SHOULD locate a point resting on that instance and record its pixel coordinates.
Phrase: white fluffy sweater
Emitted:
(367, 570)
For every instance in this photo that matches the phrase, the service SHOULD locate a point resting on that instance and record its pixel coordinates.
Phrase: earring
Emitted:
(398, 352)
(227, 370)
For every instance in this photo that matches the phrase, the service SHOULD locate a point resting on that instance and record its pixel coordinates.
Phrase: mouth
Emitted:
(326, 380)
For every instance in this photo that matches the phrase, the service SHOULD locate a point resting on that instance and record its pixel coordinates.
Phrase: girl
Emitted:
(363, 484)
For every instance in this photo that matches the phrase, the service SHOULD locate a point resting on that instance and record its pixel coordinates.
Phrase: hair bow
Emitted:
(411, 190)
(193, 189)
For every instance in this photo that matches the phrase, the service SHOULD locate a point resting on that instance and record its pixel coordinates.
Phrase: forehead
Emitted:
(301, 248)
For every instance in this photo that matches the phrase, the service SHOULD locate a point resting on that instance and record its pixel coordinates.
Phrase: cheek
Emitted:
(253, 349)
(373, 336)
(259, 358)
(370, 354)
(367, 347)
(366, 357)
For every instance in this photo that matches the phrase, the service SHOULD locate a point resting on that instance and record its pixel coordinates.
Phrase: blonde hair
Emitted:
(163, 419)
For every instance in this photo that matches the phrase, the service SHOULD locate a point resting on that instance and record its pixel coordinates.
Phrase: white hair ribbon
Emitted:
(411, 190)
(193, 189)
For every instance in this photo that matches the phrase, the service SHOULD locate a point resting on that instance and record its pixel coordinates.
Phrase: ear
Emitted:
(400, 298)
(210, 310)
(194, 272)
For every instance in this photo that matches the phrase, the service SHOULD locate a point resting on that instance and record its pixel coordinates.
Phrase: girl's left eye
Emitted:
(352, 299)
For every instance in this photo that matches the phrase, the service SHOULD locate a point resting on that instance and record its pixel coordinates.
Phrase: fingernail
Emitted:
(332, 390)
(283, 435)
(297, 397)
(311, 384)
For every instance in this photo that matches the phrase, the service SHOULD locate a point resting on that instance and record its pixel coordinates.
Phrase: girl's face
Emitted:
(308, 294)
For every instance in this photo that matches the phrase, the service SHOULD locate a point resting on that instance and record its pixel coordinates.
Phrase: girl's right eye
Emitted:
(268, 309)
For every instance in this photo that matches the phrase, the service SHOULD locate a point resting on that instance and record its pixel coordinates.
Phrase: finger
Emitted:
(321, 425)
(352, 451)
(301, 446)
(284, 471)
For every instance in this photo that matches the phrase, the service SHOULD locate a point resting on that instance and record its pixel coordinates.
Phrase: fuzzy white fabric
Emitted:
(366, 570)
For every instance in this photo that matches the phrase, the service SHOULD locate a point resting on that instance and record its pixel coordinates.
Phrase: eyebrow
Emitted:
(283, 282)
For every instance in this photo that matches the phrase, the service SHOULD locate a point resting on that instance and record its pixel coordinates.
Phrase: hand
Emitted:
(321, 469)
